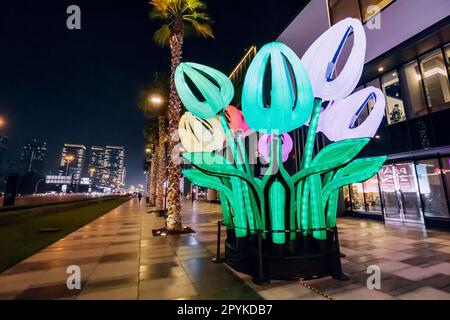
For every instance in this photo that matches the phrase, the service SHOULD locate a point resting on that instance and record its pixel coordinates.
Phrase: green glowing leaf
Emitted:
(332, 156)
(206, 181)
(356, 171)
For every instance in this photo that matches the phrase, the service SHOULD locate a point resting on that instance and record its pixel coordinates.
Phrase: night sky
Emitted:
(81, 86)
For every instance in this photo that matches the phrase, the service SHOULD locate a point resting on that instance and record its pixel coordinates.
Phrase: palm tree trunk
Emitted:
(152, 179)
(161, 162)
(174, 170)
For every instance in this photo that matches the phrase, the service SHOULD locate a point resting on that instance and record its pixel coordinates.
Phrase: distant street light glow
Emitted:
(155, 99)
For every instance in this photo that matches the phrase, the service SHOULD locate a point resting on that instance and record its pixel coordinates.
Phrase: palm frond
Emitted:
(162, 35)
(203, 29)
(160, 5)
(194, 4)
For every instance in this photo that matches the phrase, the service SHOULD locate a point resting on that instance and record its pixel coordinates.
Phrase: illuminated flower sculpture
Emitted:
(294, 215)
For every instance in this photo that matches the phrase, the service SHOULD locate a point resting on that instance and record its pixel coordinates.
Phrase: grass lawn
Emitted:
(21, 237)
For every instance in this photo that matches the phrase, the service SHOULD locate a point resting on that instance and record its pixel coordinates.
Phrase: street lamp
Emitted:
(155, 99)
(68, 160)
(2, 122)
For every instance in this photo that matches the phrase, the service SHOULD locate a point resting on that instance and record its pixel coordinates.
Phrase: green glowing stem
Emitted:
(312, 189)
(226, 211)
(240, 217)
(252, 211)
(311, 137)
(277, 196)
(277, 169)
(242, 191)
(332, 208)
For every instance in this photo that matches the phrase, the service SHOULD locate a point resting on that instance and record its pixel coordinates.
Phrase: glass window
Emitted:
(357, 197)
(447, 56)
(347, 201)
(364, 113)
(367, 9)
(413, 89)
(431, 188)
(446, 173)
(435, 78)
(395, 108)
(376, 83)
(341, 9)
(372, 195)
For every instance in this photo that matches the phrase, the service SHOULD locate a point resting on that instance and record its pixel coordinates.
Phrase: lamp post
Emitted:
(37, 185)
(68, 159)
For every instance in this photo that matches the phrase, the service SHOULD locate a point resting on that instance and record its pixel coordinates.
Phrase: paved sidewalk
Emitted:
(120, 259)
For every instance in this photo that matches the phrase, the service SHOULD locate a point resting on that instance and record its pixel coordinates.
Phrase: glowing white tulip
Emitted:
(337, 121)
(320, 60)
(200, 135)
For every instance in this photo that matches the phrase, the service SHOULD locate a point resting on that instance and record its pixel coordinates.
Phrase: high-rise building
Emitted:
(32, 157)
(72, 161)
(96, 168)
(107, 166)
(115, 166)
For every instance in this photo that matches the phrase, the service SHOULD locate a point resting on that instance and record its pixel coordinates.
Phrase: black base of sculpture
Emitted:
(305, 258)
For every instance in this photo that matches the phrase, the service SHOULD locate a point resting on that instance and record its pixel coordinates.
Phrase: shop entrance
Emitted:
(400, 193)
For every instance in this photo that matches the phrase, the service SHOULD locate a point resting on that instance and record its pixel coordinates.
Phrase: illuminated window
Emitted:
(372, 195)
(435, 79)
(357, 195)
(359, 9)
(414, 95)
(370, 8)
(395, 108)
(341, 9)
(431, 188)
(347, 201)
(446, 176)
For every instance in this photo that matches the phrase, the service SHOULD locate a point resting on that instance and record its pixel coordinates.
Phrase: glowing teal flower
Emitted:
(215, 87)
(291, 95)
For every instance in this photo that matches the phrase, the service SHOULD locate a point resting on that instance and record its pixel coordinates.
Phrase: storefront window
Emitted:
(446, 173)
(341, 9)
(395, 108)
(413, 89)
(372, 195)
(368, 10)
(347, 201)
(431, 188)
(375, 83)
(357, 196)
(435, 78)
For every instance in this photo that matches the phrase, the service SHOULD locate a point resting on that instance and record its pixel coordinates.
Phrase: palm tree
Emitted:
(178, 16)
(150, 166)
(153, 102)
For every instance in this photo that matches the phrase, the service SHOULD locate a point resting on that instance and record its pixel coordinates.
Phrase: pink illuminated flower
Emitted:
(286, 143)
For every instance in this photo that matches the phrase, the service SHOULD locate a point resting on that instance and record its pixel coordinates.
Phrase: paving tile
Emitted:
(425, 293)
(362, 294)
(415, 273)
(168, 292)
(120, 293)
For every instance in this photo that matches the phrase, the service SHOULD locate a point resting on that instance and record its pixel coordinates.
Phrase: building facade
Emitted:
(32, 157)
(96, 168)
(115, 166)
(72, 161)
(408, 58)
(107, 166)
